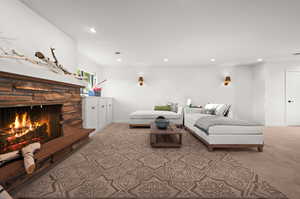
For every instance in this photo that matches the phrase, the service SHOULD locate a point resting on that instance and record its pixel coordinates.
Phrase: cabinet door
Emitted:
(90, 108)
(102, 114)
(109, 113)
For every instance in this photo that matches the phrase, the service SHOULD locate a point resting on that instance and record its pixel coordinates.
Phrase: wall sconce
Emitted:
(141, 81)
(227, 80)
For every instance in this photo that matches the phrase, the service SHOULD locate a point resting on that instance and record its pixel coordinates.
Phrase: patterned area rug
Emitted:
(119, 163)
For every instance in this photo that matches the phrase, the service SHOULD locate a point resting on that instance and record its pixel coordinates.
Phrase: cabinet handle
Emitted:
(93, 107)
(102, 106)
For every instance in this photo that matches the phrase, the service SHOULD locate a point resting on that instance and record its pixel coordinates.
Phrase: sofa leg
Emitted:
(260, 148)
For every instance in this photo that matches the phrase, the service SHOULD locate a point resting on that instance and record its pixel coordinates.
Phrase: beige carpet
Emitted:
(119, 162)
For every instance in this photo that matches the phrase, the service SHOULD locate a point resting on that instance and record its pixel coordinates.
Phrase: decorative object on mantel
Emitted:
(55, 66)
(13, 54)
(59, 65)
(41, 56)
(46, 62)
(97, 88)
(90, 78)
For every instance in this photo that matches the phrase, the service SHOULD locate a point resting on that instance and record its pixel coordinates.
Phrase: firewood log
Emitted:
(27, 153)
(4, 194)
(6, 157)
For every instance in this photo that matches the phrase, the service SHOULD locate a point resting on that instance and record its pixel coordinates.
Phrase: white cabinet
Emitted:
(102, 114)
(109, 111)
(97, 112)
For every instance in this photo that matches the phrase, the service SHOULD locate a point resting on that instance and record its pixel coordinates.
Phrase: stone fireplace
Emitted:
(20, 126)
(43, 108)
(34, 109)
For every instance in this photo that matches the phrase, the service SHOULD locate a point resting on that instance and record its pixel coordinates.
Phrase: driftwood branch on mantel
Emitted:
(56, 62)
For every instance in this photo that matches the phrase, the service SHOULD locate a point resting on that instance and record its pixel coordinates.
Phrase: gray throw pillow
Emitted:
(210, 111)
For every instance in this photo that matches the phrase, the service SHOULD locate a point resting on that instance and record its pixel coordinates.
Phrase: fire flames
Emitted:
(22, 125)
(23, 131)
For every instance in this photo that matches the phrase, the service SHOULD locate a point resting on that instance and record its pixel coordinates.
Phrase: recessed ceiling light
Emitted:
(212, 60)
(260, 60)
(119, 60)
(166, 59)
(93, 30)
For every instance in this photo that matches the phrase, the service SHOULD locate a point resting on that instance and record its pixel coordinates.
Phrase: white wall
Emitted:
(28, 32)
(259, 93)
(202, 85)
(86, 64)
(260, 89)
(32, 33)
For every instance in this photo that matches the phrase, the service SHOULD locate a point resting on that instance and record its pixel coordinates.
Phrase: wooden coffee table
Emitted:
(168, 138)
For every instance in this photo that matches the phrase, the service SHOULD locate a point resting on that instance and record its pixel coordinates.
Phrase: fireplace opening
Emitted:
(20, 126)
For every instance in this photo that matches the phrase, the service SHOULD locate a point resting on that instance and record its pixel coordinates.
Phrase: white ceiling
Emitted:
(187, 32)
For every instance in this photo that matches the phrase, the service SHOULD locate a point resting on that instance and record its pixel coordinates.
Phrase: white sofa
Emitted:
(146, 117)
(225, 136)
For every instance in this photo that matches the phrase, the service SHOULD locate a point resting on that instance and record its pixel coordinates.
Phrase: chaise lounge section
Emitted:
(144, 118)
(225, 136)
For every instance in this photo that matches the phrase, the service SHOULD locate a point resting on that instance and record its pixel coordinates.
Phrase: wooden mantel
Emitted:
(36, 79)
(21, 90)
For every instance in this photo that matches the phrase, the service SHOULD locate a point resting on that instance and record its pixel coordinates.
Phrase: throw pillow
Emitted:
(162, 108)
(220, 110)
(210, 109)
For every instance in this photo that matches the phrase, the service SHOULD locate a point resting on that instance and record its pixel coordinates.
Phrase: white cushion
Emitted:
(220, 110)
(211, 106)
(192, 118)
(151, 114)
(235, 130)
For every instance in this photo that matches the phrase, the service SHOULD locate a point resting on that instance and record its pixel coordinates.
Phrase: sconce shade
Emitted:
(227, 80)
(141, 81)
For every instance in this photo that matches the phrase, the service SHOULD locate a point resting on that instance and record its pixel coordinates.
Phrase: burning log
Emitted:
(27, 153)
(12, 140)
